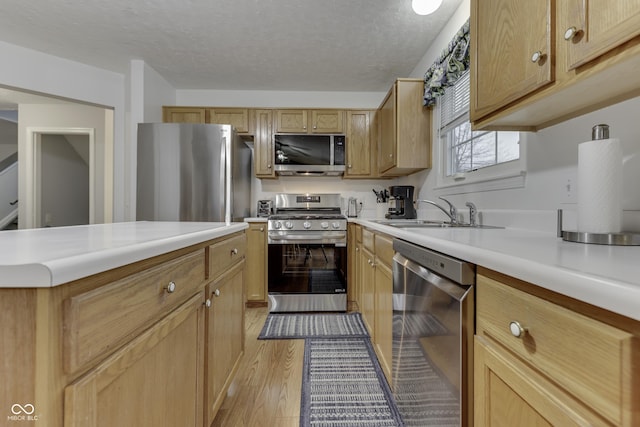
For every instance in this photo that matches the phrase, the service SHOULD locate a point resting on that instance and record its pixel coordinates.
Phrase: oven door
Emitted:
(307, 275)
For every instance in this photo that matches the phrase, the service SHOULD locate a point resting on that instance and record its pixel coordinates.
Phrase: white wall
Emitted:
(279, 99)
(8, 139)
(70, 116)
(148, 92)
(65, 184)
(45, 74)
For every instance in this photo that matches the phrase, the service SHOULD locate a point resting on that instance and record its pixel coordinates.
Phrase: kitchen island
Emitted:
(118, 316)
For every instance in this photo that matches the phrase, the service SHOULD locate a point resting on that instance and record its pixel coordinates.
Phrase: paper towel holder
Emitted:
(624, 238)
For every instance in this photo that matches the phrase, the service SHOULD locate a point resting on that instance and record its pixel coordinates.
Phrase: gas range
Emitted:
(307, 218)
(307, 254)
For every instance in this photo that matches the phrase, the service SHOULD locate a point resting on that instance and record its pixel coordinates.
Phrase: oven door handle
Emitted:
(306, 236)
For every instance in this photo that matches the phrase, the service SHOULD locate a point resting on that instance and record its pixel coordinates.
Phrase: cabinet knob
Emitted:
(261, 229)
(390, 155)
(207, 303)
(315, 127)
(349, 166)
(537, 56)
(269, 166)
(170, 288)
(234, 251)
(517, 330)
(217, 292)
(571, 33)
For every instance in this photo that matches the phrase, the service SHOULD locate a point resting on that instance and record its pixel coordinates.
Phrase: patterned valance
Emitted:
(451, 64)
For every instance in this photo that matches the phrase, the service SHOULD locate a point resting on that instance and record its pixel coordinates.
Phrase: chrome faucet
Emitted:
(452, 213)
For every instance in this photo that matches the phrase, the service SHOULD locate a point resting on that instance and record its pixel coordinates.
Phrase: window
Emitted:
(469, 156)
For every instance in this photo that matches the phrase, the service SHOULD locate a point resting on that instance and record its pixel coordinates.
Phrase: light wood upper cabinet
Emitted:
(405, 130)
(309, 121)
(263, 155)
(589, 51)
(541, 361)
(594, 27)
(361, 146)
(512, 52)
(327, 121)
(184, 115)
(240, 118)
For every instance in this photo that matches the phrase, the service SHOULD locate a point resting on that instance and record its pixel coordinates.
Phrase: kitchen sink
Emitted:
(425, 223)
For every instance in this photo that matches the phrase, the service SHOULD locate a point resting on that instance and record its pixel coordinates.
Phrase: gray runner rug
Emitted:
(297, 325)
(343, 385)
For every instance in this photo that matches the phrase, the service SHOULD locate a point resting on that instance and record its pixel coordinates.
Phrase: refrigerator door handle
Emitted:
(223, 178)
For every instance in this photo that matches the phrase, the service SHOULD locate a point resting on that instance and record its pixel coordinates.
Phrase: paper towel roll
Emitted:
(600, 186)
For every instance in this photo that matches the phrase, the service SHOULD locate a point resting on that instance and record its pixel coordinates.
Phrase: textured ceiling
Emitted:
(300, 45)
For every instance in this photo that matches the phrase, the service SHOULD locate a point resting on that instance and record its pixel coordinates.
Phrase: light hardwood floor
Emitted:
(267, 388)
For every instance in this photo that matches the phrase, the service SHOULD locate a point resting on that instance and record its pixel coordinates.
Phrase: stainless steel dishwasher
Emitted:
(433, 326)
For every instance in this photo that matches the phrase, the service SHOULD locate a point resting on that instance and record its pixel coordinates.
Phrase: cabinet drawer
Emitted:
(224, 254)
(368, 240)
(101, 320)
(591, 360)
(384, 249)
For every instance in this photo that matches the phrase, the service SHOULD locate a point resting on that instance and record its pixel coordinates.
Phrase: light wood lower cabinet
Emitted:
(256, 264)
(374, 258)
(367, 289)
(538, 362)
(224, 336)
(155, 380)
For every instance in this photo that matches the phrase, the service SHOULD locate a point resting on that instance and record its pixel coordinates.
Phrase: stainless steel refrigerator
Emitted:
(192, 172)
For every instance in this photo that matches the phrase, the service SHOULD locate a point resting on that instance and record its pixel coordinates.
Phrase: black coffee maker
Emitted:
(401, 202)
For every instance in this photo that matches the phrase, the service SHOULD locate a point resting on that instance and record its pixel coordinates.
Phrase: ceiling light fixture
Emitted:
(425, 7)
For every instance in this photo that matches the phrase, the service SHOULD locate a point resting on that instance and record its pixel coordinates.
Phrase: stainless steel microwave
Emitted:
(316, 155)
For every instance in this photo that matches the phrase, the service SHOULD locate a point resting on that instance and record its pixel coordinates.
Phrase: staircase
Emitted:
(9, 193)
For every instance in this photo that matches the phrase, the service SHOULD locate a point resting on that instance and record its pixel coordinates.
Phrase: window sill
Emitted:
(504, 182)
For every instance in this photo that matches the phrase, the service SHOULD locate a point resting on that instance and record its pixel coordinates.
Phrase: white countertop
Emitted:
(47, 257)
(605, 276)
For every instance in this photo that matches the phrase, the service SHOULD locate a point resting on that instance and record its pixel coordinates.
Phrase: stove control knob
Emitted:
(306, 225)
(324, 225)
(335, 225)
(277, 225)
(288, 224)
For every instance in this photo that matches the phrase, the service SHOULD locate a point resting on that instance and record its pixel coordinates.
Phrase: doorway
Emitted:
(60, 177)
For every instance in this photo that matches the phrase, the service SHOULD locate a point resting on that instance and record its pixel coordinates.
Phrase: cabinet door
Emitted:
(512, 51)
(183, 115)
(388, 135)
(384, 316)
(238, 117)
(153, 381)
(327, 121)
(225, 337)
(257, 262)
(508, 393)
(367, 290)
(359, 147)
(291, 121)
(263, 145)
(594, 27)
